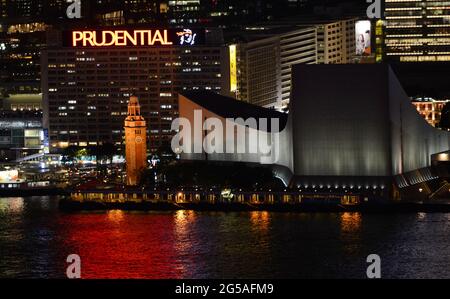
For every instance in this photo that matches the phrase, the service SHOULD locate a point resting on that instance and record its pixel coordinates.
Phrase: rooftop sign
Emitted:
(138, 37)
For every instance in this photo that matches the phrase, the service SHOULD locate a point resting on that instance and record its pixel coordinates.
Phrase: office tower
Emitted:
(417, 31)
(264, 63)
(336, 41)
(184, 11)
(86, 88)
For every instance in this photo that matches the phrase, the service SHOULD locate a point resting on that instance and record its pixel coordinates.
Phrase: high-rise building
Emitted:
(22, 35)
(138, 11)
(20, 60)
(21, 9)
(184, 11)
(3, 10)
(417, 31)
(264, 60)
(21, 102)
(86, 88)
(21, 134)
(230, 13)
(336, 41)
(135, 142)
(265, 54)
(55, 11)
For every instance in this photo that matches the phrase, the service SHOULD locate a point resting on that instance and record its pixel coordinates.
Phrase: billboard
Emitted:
(233, 68)
(9, 176)
(363, 36)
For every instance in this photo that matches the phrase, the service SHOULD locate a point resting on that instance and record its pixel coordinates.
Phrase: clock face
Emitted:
(138, 139)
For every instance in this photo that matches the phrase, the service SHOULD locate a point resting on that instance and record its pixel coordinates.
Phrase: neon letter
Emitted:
(76, 36)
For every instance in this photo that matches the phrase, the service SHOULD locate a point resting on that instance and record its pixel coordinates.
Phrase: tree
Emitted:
(108, 150)
(81, 152)
(103, 151)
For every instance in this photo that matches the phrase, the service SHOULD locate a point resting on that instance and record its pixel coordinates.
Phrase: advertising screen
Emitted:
(233, 68)
(8, 176)
(363, 35)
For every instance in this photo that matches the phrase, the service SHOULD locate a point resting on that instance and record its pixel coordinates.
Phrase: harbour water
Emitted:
(36, 238)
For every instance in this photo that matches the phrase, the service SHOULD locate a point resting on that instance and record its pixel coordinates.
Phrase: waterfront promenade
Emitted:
(240, 200)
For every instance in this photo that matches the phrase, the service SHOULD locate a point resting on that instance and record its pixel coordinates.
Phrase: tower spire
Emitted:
(134, 109)
(135, 142)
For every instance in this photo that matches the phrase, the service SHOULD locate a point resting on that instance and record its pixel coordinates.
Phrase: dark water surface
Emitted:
(36, 238)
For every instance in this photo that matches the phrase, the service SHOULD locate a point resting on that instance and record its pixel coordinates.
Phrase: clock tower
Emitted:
(135, 142)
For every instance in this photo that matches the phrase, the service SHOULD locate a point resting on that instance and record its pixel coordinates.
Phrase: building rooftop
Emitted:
(279, 27)
(227, 107)
(250, 34)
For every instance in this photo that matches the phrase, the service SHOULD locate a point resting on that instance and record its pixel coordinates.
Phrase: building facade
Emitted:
(21, 102)
(430, 109)
(417, 31)
(86, 89)
(336, 42)
(264, 65)
(264, 57)
(184, 12)
(21, 134)
(20, 49)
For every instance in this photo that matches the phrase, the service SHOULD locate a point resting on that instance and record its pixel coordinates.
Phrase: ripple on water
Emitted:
(36, 238)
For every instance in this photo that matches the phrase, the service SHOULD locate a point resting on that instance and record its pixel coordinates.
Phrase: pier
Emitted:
(239, 200)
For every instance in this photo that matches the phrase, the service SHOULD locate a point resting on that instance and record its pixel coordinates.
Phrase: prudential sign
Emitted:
(133, 38)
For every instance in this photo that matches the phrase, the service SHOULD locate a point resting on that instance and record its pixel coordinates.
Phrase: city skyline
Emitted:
(213, 147)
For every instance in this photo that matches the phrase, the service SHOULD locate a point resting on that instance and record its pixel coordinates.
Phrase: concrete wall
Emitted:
(413, 140)
(340, 121)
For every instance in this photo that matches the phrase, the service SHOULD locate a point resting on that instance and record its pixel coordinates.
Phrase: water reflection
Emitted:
(115, 216)
(183, 222)
(350, 222)
(260, 236)
(184, 239)
(260, 220)
(183, 219)
(421, 215)
(35, 240)
(119, 244)
(12, 205)
(350, 227)
(45, 202)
